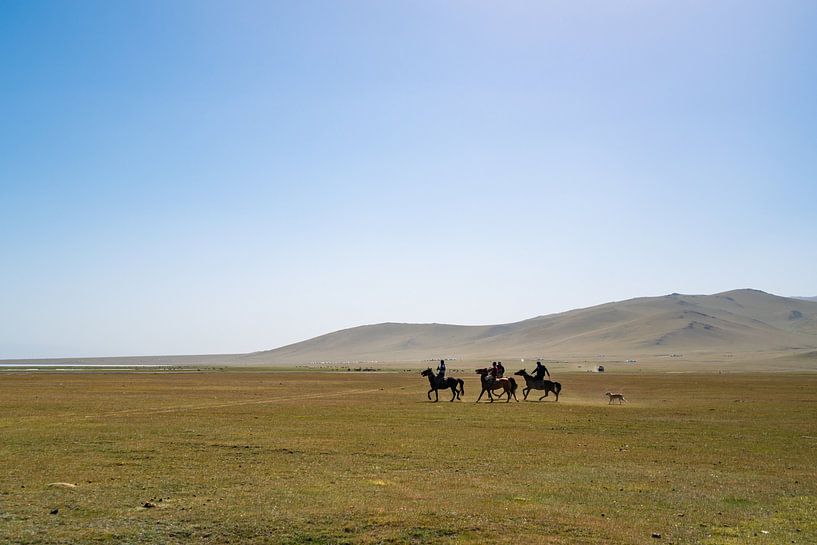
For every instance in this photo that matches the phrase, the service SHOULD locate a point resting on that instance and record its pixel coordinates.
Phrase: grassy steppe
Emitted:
(270, 457)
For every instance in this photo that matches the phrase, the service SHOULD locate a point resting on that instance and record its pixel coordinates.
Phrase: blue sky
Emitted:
(205, 177)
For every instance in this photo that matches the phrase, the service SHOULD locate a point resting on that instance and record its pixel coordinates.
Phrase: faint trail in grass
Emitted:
(200, 406)
(180, 408)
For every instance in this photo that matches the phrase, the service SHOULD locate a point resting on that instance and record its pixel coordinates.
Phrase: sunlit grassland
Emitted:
(270, 457)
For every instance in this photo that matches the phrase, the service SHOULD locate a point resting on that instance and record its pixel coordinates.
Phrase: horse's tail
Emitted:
(513, 385)
(462, 386)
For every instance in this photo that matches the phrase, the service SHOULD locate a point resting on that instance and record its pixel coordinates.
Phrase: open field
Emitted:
(274, 457)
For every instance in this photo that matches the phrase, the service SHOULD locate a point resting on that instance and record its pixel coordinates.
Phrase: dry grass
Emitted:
(270, 457)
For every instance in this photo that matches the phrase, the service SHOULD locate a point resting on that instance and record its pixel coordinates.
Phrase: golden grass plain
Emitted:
(252, 456)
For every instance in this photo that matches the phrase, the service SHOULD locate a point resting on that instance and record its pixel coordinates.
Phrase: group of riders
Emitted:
(497, 371)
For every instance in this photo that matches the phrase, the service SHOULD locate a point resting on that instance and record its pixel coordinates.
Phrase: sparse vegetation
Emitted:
(249, 457)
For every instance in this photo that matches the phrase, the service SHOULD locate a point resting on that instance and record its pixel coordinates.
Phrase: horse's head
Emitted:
(426, 372)
(521, 373)
(483, 371)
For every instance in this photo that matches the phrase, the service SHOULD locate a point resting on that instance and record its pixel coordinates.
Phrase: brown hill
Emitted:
(736, 321)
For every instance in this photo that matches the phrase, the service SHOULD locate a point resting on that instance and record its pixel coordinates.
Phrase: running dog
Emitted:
(619, 397)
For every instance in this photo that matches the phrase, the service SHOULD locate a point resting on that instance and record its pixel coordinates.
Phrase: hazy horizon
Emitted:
(68, 356)
(200, 178)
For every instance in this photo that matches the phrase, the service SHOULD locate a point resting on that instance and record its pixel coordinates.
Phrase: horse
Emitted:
(532, 384)
(448, 382)
(506, 384)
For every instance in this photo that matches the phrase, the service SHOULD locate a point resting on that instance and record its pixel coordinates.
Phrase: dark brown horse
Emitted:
(489, 384)
(532, 384)
(448, 382)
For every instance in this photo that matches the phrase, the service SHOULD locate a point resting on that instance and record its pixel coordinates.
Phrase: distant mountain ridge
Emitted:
(805, 298)
(744, 320)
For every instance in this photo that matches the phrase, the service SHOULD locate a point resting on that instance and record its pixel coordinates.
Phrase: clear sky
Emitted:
(210, 177)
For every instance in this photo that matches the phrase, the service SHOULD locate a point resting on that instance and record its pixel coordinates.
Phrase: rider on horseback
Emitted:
(441, 372)
(492, 374)
(540, 371)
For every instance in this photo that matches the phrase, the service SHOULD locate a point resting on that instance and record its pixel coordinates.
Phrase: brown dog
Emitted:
(612, 396)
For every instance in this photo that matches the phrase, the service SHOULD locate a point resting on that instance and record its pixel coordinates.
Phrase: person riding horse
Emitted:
(491, 382)
(500, 369)
(540, 371)
(490, 376)
(456, 385)
(441, 372)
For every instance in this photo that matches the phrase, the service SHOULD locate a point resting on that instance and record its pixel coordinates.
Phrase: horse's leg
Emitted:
(480, 395)
(453, 392)
(525, 393)
(429, 394)
(436, 395)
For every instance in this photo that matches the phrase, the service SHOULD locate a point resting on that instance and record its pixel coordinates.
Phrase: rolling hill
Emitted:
(741, 321)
